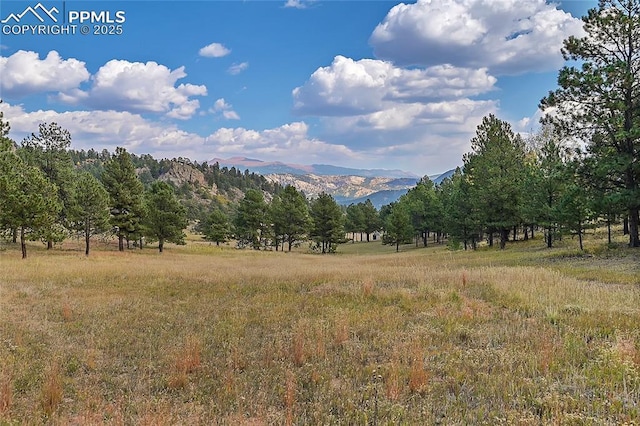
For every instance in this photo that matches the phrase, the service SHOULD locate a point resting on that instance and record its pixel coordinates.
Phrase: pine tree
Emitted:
(495, 171)
(599, 100)
(28, 200)
(289, 213)
(217, 227)
(398, 228)
(126, 195)
(89, 212)
(251, 220)
(328, 225)
(165, 218)
(48, 150)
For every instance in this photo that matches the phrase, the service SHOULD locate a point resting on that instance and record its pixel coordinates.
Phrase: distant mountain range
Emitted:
(277, 167)
(346, 185)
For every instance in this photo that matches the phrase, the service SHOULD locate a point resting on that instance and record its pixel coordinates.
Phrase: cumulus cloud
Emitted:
(507, 36)
(290, 142)
(108, 129)
(221, 107)
(349, 87)
(214, 50)
(423, 118)
(236, 69)
(24, 73)
(299, 4)
(140, 87)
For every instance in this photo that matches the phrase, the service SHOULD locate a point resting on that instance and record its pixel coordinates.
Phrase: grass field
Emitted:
(207, 335)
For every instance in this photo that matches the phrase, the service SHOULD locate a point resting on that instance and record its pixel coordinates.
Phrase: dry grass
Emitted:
(202, 335)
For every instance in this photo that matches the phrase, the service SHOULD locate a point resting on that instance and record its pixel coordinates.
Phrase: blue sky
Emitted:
(367, 84)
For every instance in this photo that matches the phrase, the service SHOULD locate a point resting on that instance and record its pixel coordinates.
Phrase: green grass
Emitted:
(209, 335)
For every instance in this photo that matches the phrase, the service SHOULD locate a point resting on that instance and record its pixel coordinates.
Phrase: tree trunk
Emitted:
(504, 236)
(160, 244)
(87, 235)
(625, 226)
(14, 237)
(49, 244)
(23, 243)
(526, 233)
(580, 235)
(549, 237)
(290, 243)
(532, 235)
(491, 238)
(397, 246)
(609, 229)
(634, 218)
(120, 242)
(218, 243)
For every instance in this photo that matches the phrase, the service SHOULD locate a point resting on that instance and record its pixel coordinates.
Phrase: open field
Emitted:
(203, 335)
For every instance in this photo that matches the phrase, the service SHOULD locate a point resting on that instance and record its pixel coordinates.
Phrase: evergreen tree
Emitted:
(462, 215)
(290, 216)
(495, 171)
(599, 100)
(48, 150)
(126, 195)
(89, 212)
(217, 227)
(328, 225)
(354, 220)
(398, 228)
(165, 218)
(28, 200)
(251, 220)
(371, 218)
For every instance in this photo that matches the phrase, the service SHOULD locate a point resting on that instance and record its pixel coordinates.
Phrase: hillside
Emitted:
(198, 186)
(352, 189)
(277, 167)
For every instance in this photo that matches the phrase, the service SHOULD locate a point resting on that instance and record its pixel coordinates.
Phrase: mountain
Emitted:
(277, 167)
(346, 185)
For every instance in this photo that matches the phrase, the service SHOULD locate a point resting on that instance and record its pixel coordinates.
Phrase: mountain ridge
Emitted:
(278, 167)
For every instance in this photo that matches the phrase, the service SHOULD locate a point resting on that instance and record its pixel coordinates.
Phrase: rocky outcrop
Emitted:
(180, 173)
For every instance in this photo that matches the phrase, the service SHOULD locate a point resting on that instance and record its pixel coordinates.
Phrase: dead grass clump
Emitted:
(51, 394)
(625, 349)
(392, 382)
(187, 360)
(368, 288)
(67, 313)
(298, 352)
(417, 374)
(341, 332)
(6, 394)
(290, 397)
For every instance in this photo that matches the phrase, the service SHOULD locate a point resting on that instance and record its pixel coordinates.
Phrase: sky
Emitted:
(364, 84)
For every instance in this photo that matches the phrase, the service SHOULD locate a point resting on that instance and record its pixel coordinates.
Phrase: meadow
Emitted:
(208, 335)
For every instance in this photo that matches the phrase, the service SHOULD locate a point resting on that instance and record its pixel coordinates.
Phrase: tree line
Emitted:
(581, 170)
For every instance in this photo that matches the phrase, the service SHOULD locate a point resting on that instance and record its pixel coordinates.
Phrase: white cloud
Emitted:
(349, 87)
(506, 36)
(214, 50)
(222, 107)
(24, 73)
(421, 118)
(236, 69)
(108, 129)
(289, 142)
(140, 87)
(299, 4)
